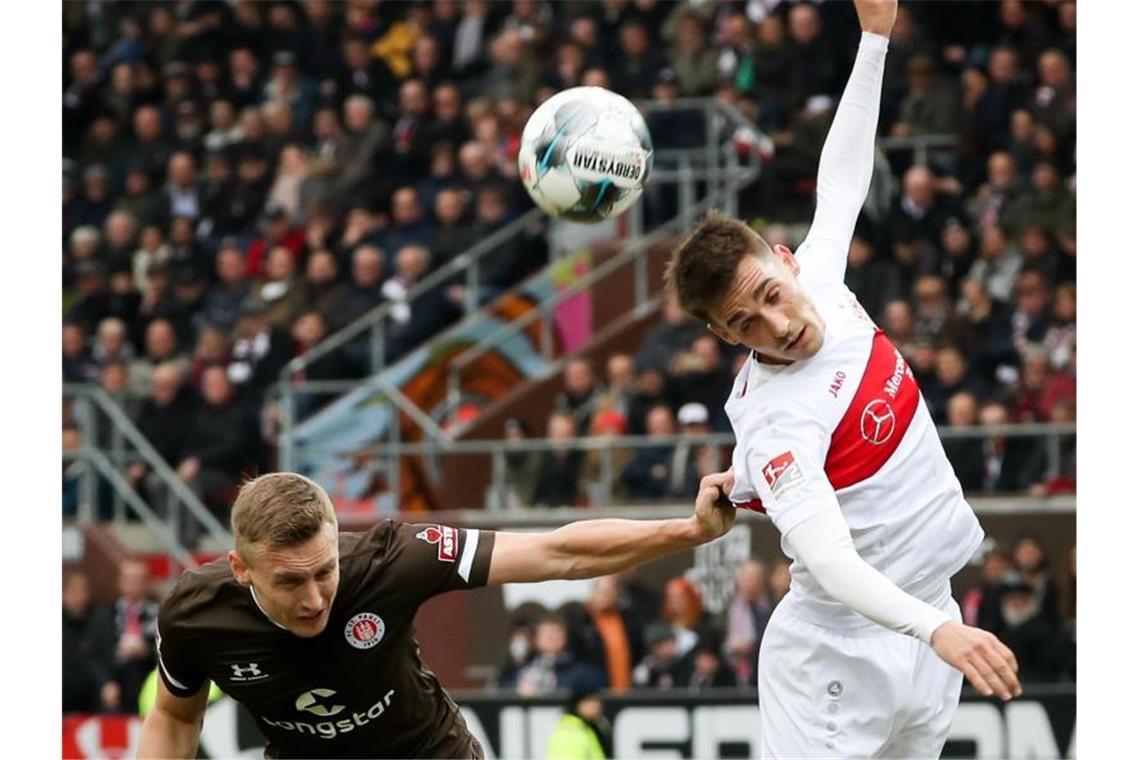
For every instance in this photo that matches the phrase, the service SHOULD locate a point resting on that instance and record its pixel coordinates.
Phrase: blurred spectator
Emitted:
(997, 264)
(152, 252)
(86, 654)
(747, 617)
(554, 666)
(580, 392)
(1061, 337)
(260, 351)
(1012, 464)
(521, 466)
(1047, 204)
(111, 343)
(161, 347)
(620, 386)
(363, 293)
(647, 476)
(605, 635)
(998, 194)
(601, 466)
(277, 232)
(676, 332)
(164, 419)
(683, 609)
(409, 224)
(182, 187)
(952, 377)
(700, 376)
(930, 106)
(130, 623)
(1030, 318)
(779, 580)
(454, 233)
(211, 350)
(815, 62)
(520, 651)
(216, 446)
(664, 667)
(966, 455)
(322, 282)
(693, 457)
(875, 281)
(77, 364)
(559, 468)
(634, 71)
(1033, 639)
(981, 605)
(582, 733)
(414, 320)
(283, 293)
(916, 223)
(693, 60)
(709, 670)
(651, 390)
(1032, 563)
(359, 150)
(308, 330)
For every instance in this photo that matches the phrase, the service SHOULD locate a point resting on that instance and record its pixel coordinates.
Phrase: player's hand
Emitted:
(987, 663)
(714, 513)
(877, 16)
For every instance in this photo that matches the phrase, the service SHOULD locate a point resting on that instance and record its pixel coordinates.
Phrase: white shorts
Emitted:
(864, 693)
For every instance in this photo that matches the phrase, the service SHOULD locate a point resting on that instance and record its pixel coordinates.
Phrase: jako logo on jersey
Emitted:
(447, 538)
(364, 630)
(878, 422)
(250, 672)
(328, 729)
(837, 383)
(311, 701)
(782, 472)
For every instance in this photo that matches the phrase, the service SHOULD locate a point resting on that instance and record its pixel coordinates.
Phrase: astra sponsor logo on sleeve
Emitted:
(444, 537)
(323, 702)
(783, 474)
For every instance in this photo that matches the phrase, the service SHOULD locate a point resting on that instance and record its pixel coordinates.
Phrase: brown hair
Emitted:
(702, 267)
(280, 509)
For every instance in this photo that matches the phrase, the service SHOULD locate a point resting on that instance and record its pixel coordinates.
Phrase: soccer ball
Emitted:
(585, 154)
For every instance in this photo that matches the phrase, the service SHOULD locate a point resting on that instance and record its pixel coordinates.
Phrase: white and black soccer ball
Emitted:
(585, 154)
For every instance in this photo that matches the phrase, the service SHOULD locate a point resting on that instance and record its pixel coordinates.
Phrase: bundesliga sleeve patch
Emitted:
(783, 473)
(445, 537)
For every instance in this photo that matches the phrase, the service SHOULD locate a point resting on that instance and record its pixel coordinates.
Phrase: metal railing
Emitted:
(92, 408)
(920, 146)
(608, 448)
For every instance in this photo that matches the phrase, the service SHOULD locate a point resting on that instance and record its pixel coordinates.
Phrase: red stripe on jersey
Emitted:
(755, 505)
(878, 417)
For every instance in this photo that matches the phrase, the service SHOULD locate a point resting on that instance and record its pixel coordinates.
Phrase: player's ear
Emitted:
(239, 568)
(721, 333)
(784, 253)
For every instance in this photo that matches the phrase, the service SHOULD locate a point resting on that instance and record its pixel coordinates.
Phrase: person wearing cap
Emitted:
(693, 458)
(662, 667)
(582, 733)
(276, 231)
(1027, 632)
(290, 88)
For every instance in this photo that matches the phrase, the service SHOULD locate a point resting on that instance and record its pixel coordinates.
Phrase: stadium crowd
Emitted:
(627, 635)
(241, 179)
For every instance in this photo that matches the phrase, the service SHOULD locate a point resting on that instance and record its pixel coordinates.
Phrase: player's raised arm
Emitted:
(171, 729)
(847, 160)
(590, 548)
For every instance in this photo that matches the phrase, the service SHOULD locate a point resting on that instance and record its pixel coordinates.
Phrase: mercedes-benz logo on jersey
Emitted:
(878, 422)
(364, 630)
(313, 701)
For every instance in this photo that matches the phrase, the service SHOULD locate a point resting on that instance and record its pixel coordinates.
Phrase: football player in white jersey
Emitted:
(865, 656)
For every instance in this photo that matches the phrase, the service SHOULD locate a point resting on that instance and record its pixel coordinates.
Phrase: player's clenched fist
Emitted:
(714, 512)
(986, 662)
(877, 16)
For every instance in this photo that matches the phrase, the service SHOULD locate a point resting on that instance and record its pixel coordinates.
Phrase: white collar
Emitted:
(263, 612)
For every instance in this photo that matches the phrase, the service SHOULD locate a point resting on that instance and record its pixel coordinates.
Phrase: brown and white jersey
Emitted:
(360, 688)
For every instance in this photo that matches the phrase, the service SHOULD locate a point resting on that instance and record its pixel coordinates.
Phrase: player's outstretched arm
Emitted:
(172, 728)
(823, 543)
(848, 157)
(589, 548)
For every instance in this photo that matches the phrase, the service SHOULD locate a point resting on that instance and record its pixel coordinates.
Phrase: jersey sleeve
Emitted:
(846, 162)
(783, 461)
(436, 559)
(177, 661)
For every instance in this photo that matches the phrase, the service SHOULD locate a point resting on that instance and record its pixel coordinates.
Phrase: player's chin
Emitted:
(311, 626)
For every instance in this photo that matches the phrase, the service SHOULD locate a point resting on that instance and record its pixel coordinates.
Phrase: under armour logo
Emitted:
(246, 672)
(312, 701)
(878, 422)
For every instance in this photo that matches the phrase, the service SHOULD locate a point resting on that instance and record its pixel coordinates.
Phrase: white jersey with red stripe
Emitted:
(849, 424)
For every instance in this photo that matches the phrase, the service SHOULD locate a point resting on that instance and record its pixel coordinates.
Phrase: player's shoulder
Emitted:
(198, 594)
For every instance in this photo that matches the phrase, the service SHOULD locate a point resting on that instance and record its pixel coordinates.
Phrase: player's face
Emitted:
(766, 310)
(295, 585)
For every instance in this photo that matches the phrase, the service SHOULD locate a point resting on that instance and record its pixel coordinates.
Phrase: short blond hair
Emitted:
(280, 509)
